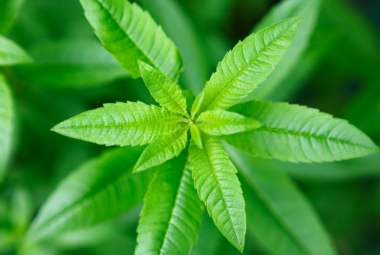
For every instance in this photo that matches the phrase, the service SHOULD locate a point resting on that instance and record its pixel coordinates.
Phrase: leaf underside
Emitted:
(218, 186)
(163, 90)
(299, 134)
(121, 124)
(172, 213)
(79, 201)
(221, 122)
(163, 149)
(130, 34)
(247, 65)
(6, 114)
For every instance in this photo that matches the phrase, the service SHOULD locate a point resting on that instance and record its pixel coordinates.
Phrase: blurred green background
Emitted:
(337, 70)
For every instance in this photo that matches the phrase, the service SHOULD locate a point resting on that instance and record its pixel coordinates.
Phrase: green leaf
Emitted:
(190, 98)
(278, 213)
(8, 11)
(247, 65)
(178, 26)
(297, 133)
(130, 34)
(97, 191)
(218, 186)
(71, 64)
(6, 116)
(11, 53)
(221, 122)
(163, 149)
(121, 124)
(196, 135)
(172, 213)
(309, 9)
(163, 90)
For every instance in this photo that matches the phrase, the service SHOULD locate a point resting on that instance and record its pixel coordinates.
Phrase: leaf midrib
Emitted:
(89, 196)
(220, 189)
(121, 125)
(125, 32)
(246, 67)
(292, 132)
(172, 211)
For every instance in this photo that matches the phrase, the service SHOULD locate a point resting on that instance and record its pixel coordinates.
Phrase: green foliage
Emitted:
(121, 124)
(163, 149)
(221, 122)
(70, 63)
(294, 227)
(172, 213)
(8, 12)
(308, 9)
(296, 133)
(130, 35)
(6, 116)
(11, 53)
(108, 179)
(178, 174)
(215, 179)
(247, 65)
(163, 90)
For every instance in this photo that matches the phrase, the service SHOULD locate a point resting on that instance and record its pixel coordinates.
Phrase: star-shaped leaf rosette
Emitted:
(184, 166)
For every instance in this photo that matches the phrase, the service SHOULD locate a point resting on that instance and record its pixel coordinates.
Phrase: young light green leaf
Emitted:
(70, 63)
(162, 150)
(6, 116)
(130, 34)
(218, 186)
(11, 53)
(221, 122)
(190, 98)
(196, 135)
(309, 9)
(296, 133)
(247, 65)
(278, 213)
(8, 11)
(172, 213)
(163, 90)
(97, 191)
(121, 124)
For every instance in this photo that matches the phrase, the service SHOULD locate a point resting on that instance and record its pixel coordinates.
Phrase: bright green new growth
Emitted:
(172, 213)
(163, 90)
(247, 65)
(173, 226)
(130, 34)
(221, 122)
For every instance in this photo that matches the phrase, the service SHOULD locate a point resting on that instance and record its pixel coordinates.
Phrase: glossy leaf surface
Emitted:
(172, 213)
(299, 134)
(163, 149)
(121, 124)
(221, 122)
(163, 90)
(218, 186)
(97, 191)
(247, 65)
(130, 34)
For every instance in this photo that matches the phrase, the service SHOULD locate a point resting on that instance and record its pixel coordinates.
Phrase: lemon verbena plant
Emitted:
(190, 168)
